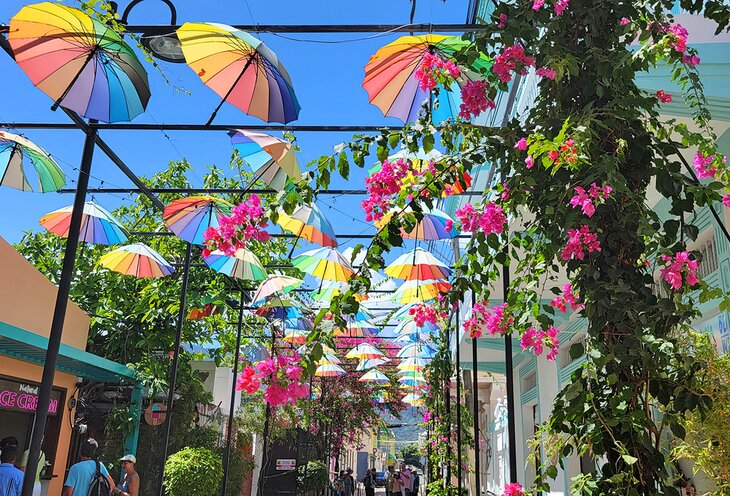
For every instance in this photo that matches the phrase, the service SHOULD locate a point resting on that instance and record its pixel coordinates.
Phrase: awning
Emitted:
(30, 347)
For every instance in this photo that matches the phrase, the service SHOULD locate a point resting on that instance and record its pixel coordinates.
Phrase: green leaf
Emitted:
(630, 460)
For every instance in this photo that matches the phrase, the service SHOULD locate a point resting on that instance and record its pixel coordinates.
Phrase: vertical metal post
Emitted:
(231, 408)
(509, 375)
(447, 391)
(458, 403)
(475, 402)
(267, 417)
(175, 364)
(59, 314)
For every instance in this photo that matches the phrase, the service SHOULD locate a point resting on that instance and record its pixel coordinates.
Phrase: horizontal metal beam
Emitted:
(260, 191)
(275, 235)
(131, 126)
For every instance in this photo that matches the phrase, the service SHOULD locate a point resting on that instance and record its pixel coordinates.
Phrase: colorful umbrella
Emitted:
(16, 153)
(327, 291)
(97, 225)
(242, 265)
(79, 61)
(329, 370)
(421, 350)
(413, 399)
(414, 291)
(410, 327)
(296, 336)
(374, 376)
(272, 159)
(275, 284)
(274, 307)
(240, 69)
(364, 351)
(189, 217)
(412, 381)
(434, 226)
(368, 364)
(357, 329)
(308, 222)
(418, 265)
(138, 260)
(412, 338)
(298, 324)
(324, 263)
(390, 76)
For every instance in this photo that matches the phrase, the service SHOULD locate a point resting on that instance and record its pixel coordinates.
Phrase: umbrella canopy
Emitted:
(415, 291)
(296, 336)
(78, 61)
(308, 222)
(298, 324)
(374, 375)
(16, 154)
(409, 327)
(138, 260)
(434, 226)
(327, 291)
(97, 225)
(412, 381)
(274, 307)
(370, 363)
(418, 265)
(412, 338)
(357, 329)
(390, 76)
(324, 263)
(242, 265)
(272, 159)
(419, 350)
(364, 351)
(275, 284)
(240, 69)
(329, 370)
(189, 217)
(413, 399)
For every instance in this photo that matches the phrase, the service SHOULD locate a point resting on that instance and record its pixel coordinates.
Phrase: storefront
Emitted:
(27, 299)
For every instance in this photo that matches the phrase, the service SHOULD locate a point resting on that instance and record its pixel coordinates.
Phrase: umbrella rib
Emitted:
(233, 86)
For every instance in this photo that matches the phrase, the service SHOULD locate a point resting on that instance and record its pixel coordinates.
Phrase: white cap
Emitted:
(128, 458)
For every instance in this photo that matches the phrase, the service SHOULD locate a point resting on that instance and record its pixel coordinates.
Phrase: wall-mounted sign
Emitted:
(286, 464)
(23, 397)
(155, 414)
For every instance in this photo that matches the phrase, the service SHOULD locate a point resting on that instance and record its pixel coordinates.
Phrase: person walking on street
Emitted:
(389, 475)
(11, 479)
(339, 484)
(407, 479)
(41, 464)
(416, 483)
(129, 485)
(397, 489)
(349, 481)
(81, 475)
(369, 482)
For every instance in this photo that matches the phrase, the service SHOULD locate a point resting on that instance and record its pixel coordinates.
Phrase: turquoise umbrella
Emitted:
(16, 154)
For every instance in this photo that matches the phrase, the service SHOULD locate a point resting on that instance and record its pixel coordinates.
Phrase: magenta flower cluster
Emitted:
(579, 242)
(537, 339)
(559, 6)
(680, 269)
(568, 297)
(706, 165)
(434, 70)
(381, 186)
(246, 222)
(512, 59)
(282, 376)
(494, 320)
(585, 199)
(489, 219)
(513, 489)
(474, 99)
(423, 314)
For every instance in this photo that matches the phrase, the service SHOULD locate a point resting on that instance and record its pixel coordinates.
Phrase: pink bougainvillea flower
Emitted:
(568, 297)
(560, 6)
(529, 162)
(512, 59)
(521, 144)
(537, 4)
(474, 99)
(433, 70)
(585, 200)
(706, 166)
(538, 339)
(691, 60)
(680, 269)
(553, 155)
(502, 21)
(276, 395)
(664, 97)
(489, 219)
(578, 241)
(513, 489)
(726, 200)
(546, 72)
(267, 367)
(625, 21)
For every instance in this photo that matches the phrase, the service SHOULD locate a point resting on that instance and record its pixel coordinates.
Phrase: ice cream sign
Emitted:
(23, 397)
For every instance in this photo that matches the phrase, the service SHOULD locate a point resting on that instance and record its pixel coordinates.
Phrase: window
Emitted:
(564, 352)
(529, 381)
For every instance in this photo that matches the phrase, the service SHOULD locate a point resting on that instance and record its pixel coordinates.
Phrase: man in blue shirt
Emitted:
(11, 479)
(82, 473)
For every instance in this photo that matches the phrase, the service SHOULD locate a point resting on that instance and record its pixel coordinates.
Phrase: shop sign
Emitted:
(23, 397)
(719, 330)
(286, 464)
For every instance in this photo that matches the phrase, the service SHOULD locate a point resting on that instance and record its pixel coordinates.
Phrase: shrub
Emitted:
(312, 477)
(193, 471)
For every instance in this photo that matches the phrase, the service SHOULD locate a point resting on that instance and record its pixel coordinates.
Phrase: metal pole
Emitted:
(447, 391)
(458, 404)
(175, 363)
(475, 402)
(509, 373)
(59, 315)
(267, 417)
(231, 408)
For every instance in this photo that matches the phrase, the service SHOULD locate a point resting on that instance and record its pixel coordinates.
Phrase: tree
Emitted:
(410, 454)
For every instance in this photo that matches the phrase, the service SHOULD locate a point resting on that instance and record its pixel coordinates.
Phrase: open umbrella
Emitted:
(138, 260)
(374, 375)
(308, 222)
(413, 399)
(412, 338)
(390, 76)
(434, 226)
(16, 154)
(370, 363)
(364, 351)
(357, 329)
(275, 307)
(189, 217)
(415, 291)
(271, 159)
(324, 263)
(418, 265)
(410, 327)
(79, 61)
(242, 265)
(240, 69)
(275, 284)
(97, 225)
(295, 336)
(329, 370)
(421, 350)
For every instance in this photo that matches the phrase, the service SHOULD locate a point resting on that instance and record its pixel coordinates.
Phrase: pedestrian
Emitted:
(8, 441)
(416, 483)
(397, 488)
(129, 485)
(349, 481)
(339, 483)
(11, 479)
(389, 476)
(84, 474)
(41, 464)
(369, 482)
(406, 478)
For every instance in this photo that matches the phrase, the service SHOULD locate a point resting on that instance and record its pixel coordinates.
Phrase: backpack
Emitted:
(99, 484)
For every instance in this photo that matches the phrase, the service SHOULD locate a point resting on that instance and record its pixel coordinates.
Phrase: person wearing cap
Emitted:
(129, 485)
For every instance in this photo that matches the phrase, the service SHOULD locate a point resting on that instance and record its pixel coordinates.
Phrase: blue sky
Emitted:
(326, 76)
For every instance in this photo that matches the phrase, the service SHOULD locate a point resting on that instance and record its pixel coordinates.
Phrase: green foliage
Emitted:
(240, 465)
(312, 477)
(193, 469)
(410, 454)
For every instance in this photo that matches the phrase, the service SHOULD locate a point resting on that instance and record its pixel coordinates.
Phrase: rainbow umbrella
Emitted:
(242, 265)
(418, 265)
(390, 76)
(324, 263)
(422, 350)
(329, 370)
(16, 153)
(357, 329)
(435, 225)
(298, 324)
(413, 399)
(364, 351)
(138, 260)
(240, 69)
(275, 284)
(274, 307)
(78, 61)
(370, 363)
(308, 222)
(412, 338)
(189, 217)
(374, 375)
(412, 381)
(296, 336)
(410, 327)
(272, 159)
(415, 291)
(97, 225)
(327, 291)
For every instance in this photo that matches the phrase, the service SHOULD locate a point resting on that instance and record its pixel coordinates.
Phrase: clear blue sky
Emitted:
(326, 76)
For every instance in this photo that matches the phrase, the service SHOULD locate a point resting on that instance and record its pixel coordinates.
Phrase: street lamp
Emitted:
(163, 46)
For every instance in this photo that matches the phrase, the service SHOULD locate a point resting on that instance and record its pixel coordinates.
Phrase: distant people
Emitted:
(41, 463)
(339, 483)
(406, 478)
(416, 483)
(369, 482)
(7, 442)
(389, 476)
(397, 485)
(129, 485)
(82, 475)
(349, 481)
(11, 479)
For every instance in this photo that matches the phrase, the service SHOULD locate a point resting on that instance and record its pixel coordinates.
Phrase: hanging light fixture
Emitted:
(162, 45)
